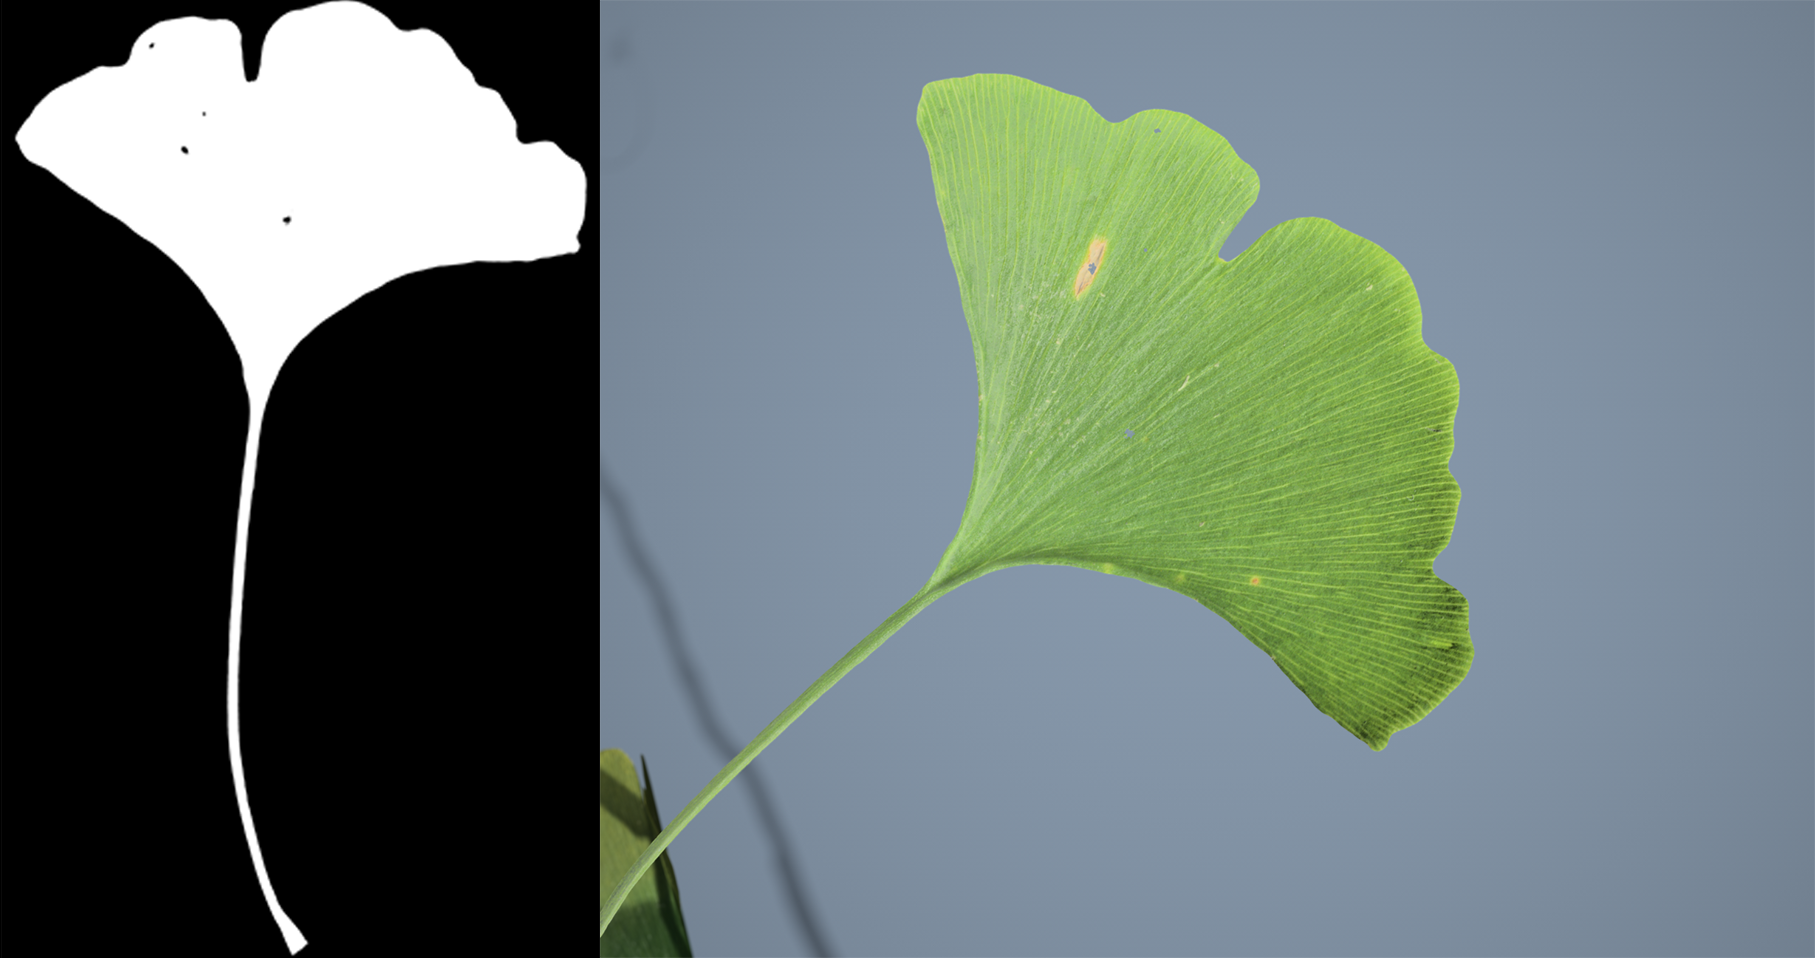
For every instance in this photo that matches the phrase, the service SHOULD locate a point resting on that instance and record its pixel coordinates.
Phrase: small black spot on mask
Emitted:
(286, 221)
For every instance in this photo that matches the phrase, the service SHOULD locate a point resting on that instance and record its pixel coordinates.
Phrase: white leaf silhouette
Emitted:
(361, 154)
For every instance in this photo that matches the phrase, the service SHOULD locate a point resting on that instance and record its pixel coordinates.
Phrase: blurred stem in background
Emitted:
(801, 909)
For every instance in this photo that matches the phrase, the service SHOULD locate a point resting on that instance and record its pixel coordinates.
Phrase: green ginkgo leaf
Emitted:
(1268, 435)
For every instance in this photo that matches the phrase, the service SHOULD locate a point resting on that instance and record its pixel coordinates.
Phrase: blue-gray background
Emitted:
(1606, 209)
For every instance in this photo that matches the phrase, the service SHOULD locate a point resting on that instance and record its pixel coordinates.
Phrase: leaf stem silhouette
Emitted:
(801, 908)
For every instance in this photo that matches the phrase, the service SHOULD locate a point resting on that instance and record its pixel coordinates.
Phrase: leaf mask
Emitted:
(361, 154)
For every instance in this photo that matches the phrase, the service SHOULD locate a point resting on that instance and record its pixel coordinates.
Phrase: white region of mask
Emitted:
(362, 153)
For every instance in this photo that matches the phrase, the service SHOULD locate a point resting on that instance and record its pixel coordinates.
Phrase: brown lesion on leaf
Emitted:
(1087, 273)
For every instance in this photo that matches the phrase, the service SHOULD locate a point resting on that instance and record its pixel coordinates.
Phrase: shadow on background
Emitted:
(801, 910)
(627, 121)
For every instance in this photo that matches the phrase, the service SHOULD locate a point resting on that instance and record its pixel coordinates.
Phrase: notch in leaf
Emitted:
(1268, 435)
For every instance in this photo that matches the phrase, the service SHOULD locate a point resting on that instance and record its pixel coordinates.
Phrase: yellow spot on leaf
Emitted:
(1254, 581)
(1109, 568)
(1087, 273)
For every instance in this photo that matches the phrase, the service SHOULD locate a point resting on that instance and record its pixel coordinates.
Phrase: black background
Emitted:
(416, 577)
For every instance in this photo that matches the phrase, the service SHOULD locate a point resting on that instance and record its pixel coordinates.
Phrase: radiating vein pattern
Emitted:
(1269, 435)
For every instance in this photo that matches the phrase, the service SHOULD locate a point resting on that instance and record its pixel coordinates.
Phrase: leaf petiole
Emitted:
(928, 593)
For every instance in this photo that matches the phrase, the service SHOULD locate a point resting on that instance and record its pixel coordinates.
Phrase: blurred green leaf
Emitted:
(650, 922)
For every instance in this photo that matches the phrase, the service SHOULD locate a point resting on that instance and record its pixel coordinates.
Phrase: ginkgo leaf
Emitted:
(1268, 435)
